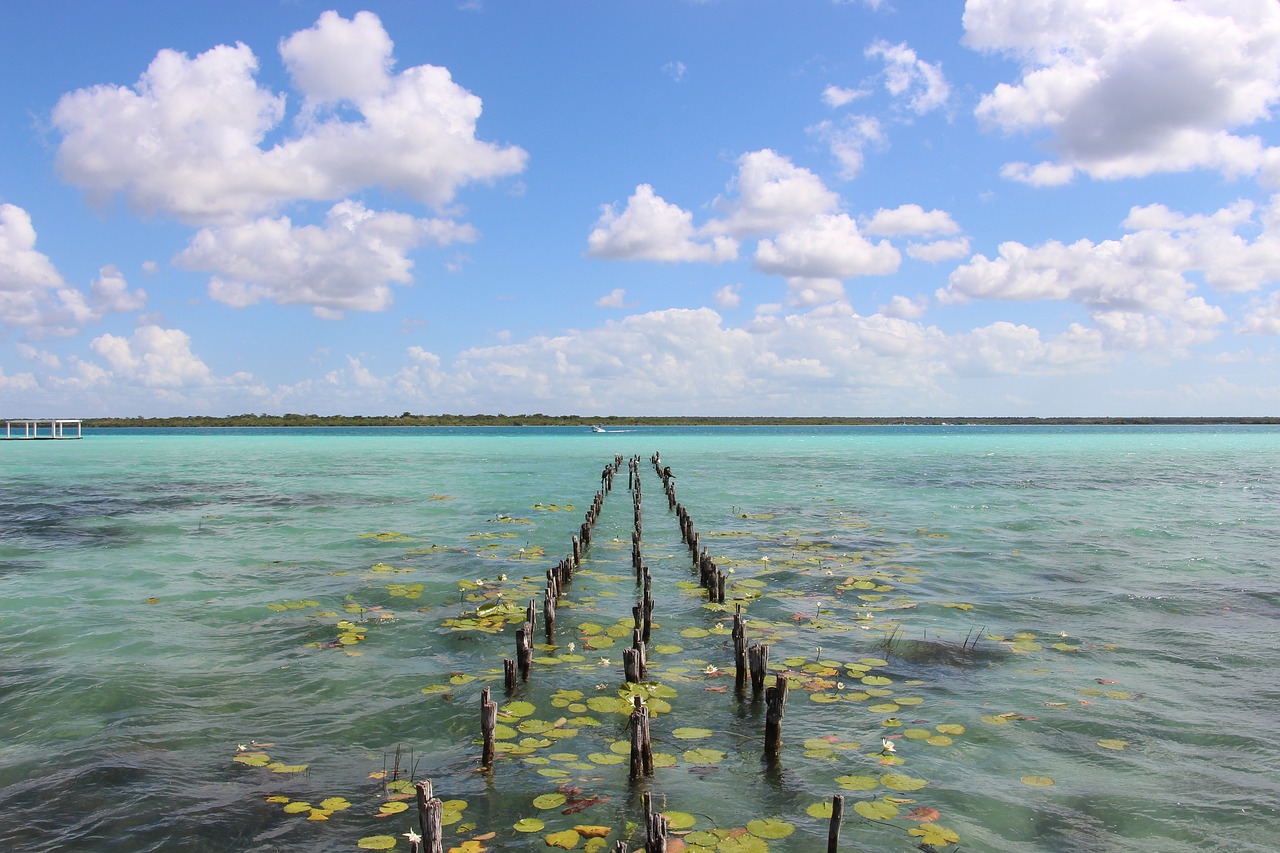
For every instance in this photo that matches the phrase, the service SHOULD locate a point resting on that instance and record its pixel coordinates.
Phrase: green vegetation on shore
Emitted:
(411, 420)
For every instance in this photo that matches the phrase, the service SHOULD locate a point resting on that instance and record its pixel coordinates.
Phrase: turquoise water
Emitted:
(169, 597)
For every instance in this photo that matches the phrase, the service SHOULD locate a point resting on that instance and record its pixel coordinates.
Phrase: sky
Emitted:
(671, 207)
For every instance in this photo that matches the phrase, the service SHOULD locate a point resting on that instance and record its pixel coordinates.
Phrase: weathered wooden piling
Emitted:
(739, 651)
(524, 650)
(641, 744)
(577, 551)
(758, 663)
(655, 836)
(488, 725)
(833, 829)
(549, 613)
(775, 700)
(430, 813)
(509, 675)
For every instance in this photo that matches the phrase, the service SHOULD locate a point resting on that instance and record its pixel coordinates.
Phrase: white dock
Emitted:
(42, 429)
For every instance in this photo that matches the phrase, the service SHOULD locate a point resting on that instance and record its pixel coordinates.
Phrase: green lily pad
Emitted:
(377, 842)
(858, 783)
(1113, 743)
(689, 733)
(1038, 781)
(679, 820)
(822, 811)
(901, 782)
(528, 824)
(704, 756)
(770, 828)
(876, 809)
(549, 801)
(566, 839)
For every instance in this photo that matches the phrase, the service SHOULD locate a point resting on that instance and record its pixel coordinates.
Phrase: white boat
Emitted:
(597, 428)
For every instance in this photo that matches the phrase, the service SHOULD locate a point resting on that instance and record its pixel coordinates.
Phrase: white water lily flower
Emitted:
(711, 669)
(413, 837)
(572, 647)
(886, 745)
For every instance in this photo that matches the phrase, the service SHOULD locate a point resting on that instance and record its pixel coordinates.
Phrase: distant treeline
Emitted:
(409, 419)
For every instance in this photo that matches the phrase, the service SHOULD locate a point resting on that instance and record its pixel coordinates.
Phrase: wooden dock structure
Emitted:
(42, 429)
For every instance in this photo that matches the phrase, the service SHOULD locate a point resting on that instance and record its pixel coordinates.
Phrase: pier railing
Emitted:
(30, 429)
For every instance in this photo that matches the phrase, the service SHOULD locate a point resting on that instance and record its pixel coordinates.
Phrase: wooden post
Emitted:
(655, 833)
(488, 723)
(641, 745)
(775, 699)
(833, 830)
(430, 812)
(758, 662)
(549, 613)
(509, 675)
(577, 552)
(524, 649)
(739, 651)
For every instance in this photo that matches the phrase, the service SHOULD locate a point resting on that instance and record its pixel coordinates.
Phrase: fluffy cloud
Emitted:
(838, 96)
(847, 139)
(154, 357)
(651, 229)
(939, 250)
(829, 246)
(910, 219)
(345, 265)
(770, 194)
(109, 292)
(187, 139)
(920, 84)
(29, 282)
(340, 60)
(1133, 288)
(33, 294)
(1129, 89)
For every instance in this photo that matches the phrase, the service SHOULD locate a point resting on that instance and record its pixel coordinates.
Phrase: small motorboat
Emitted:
(597, 428)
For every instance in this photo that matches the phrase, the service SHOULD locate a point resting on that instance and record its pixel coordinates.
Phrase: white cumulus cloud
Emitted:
(154, 357)
(829, 246)
(1129, 89)
(920, 84)
(650, 228)
(347, 264)
(187, 139)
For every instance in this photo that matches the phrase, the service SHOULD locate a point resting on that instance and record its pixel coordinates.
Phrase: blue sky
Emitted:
(817, 207)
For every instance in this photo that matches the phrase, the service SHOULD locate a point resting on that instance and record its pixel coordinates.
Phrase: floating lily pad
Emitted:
(1038, 781)
(770, 828)
(528, 824)
(901, 782)
(951, 729)
(934, 835)
(858, 783)
(1113, 743)
(566, 839)
(549, 801)
(680, 820)
(394, 807)
(377, 842)
(704, 756)
(876, 809)
(689, 733)
(822, 811)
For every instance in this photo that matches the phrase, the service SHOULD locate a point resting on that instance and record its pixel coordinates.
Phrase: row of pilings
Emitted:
(751, 661)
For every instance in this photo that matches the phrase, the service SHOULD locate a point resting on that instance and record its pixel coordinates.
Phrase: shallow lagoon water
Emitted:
(170, 596)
